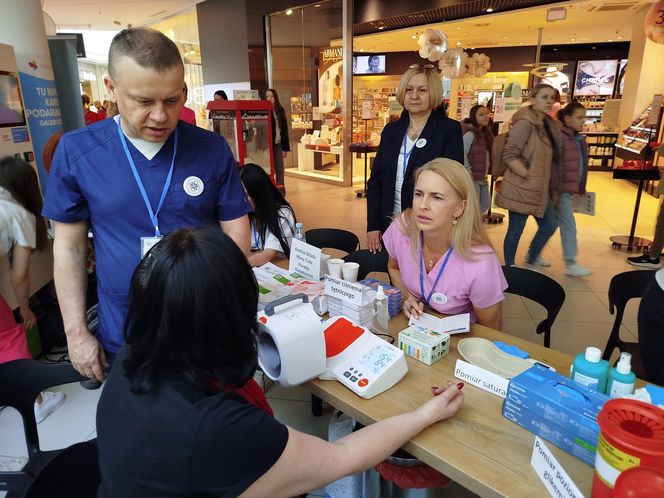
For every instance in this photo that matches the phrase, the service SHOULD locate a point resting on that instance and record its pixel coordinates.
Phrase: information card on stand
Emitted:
(346, 291)
(556, 481)
(477, 376)
(304, 259)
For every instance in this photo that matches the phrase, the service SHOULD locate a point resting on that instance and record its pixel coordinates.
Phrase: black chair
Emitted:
(63, 473)
(368, 262)
(539, 288)
(623, 287)
(333, 238)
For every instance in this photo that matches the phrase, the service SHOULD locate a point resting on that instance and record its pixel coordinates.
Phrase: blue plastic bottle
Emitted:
(621, 377)
(591, 370)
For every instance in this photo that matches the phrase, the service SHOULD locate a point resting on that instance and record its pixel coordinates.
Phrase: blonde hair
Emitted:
(468, 231)
(538, 88)
(433, 81)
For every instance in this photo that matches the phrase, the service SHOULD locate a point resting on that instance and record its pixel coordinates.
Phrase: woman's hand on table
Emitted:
(373, 241)
(412, 307)
(445, 403)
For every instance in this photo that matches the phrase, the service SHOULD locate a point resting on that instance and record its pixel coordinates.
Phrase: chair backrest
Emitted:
(333, 238)
(368, 261)
(539, 288)
(20, 383)
(623, 287)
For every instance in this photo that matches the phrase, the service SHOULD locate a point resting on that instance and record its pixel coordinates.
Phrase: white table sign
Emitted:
(350, 292)
(478, 377)
(556, 481)
(304, 259)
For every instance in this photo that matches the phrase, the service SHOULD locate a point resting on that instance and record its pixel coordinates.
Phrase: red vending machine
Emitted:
(247, 127)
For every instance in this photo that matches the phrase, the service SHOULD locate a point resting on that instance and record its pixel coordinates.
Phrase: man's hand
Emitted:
(373, 241)
(87, 355)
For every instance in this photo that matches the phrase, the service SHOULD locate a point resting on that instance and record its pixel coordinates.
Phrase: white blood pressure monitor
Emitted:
(361, 361)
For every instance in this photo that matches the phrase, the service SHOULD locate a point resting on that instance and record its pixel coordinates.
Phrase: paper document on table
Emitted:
(455, 324)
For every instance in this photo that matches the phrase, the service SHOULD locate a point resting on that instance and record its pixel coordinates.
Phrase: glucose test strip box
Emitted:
(423, 344)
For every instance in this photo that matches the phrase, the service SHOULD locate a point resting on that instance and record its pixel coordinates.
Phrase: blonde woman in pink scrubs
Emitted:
(440, 254)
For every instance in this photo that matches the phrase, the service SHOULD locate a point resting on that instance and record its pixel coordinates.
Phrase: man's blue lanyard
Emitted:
(153, 214)
(422, 272)
(405, 154)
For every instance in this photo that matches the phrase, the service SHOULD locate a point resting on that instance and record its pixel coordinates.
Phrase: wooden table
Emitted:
(478, 448)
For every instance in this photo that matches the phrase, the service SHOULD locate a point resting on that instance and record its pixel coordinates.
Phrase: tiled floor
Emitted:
(584, 319)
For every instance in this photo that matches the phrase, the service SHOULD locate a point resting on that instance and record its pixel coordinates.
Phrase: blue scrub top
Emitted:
(91, 179)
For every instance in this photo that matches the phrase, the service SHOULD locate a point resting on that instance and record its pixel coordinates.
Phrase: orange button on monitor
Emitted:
(362, 382)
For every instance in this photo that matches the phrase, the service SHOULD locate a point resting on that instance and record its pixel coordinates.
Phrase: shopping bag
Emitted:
(363, 485)
(584, 203)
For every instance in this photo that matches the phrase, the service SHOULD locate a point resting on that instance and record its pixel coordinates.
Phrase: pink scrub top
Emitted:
(467, 284)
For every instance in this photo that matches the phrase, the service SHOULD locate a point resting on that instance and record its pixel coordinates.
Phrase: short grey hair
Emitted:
(149, 48)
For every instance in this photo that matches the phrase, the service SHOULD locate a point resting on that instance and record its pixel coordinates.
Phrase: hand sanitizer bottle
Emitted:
(591, 370)
(382, 313)
(621, 378)
(299, 234)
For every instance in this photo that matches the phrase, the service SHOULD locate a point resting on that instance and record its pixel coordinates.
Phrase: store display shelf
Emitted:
(628, 137)
(641, 129)
(634, 151)
(636, 174)
(600, 155)
(600, 133)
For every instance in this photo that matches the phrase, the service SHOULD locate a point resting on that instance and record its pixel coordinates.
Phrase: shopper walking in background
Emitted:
(186, 114)
(421, 134)
(531, 183)
(574, 174)
(22, 231)
(280, 142)
(477, 142)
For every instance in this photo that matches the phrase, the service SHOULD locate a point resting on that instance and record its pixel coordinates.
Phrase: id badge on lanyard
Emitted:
(148, 243)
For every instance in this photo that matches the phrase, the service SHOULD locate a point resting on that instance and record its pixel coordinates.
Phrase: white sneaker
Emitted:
(539, 262)
(51, 401)
(576, 270)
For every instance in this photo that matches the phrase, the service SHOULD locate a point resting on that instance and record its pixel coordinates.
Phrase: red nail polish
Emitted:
(459, 386)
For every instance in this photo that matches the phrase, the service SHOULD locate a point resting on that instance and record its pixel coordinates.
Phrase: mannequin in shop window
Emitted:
(423, 133)
(280, 142)
(272, 220)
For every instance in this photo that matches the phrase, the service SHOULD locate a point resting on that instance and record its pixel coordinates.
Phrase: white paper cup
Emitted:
(334, 267)
(349, 271)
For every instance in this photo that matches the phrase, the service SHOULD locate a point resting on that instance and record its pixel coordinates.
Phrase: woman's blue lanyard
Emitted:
(153, 214)
(254, 236)
(422, 272)
(405, 154)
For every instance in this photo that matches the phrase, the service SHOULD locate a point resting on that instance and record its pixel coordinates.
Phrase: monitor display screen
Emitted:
(369, 64)
(595, 77)
(11, 107)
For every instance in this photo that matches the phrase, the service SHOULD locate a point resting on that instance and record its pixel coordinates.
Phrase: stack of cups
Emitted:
(338, 269)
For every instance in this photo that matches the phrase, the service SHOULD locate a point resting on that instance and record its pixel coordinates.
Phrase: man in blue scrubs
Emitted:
(132, 179)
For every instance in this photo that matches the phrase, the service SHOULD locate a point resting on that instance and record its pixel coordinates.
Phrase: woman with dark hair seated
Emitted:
(272, 219)
(180, 414)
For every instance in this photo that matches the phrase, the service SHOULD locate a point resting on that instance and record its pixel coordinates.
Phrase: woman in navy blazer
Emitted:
(420, 135)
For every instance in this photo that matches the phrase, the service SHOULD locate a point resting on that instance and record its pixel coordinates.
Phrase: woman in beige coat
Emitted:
(531, 181)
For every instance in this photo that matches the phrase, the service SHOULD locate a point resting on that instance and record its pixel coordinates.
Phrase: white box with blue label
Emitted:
(550, 431)
(559, 400)
(423, 344)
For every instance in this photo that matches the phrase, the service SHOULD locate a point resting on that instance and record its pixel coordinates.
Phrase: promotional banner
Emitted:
(596, 77)
(41, 104)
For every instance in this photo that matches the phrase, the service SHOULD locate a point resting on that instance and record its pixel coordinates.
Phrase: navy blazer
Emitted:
(444, 139)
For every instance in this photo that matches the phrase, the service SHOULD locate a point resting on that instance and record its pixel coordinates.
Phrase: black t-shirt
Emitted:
(177, 442)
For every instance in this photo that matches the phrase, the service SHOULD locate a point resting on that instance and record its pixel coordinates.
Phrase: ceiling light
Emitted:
(504, 38)
(289, 12)
(472, 48)
(572, 39)
(464, 34)
(610, 40)
(520, 43)
(317, 5)
(458, 44)
(381, 27)
(414, 37)
(489, 10)
(361, 50)
(459, 27)
(619, 37)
